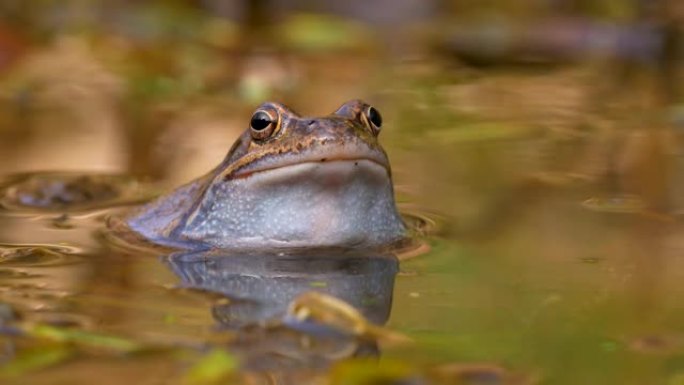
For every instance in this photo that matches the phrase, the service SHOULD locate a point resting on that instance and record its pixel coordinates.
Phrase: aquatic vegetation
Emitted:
(536, 155)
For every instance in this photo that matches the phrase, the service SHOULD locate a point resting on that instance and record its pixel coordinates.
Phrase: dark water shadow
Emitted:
(42, 192)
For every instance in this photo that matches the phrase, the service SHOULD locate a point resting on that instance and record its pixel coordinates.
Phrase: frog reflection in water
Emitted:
(268, 292)
(288, 181)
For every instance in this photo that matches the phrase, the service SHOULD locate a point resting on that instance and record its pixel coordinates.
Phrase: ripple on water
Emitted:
(419, 227)
(7, 274)
(63, 191)
(36, 255)
(35, 278)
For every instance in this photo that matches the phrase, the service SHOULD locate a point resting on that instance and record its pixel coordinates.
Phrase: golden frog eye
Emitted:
(263, 124)
(374, 119)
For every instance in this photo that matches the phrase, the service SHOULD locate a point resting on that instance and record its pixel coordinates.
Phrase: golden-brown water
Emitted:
(548, 186)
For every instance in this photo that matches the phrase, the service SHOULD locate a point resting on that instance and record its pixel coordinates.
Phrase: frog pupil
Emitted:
(260, 121)
(375, 117)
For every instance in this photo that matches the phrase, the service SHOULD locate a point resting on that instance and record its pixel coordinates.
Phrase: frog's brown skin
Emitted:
(288, 181)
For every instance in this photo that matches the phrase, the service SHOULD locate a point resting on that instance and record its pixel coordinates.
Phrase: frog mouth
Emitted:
(363, 158)
(364, 163)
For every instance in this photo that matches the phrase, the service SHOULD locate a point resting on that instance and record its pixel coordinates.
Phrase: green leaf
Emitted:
(35, 359)
(213, 367)
(82, 337)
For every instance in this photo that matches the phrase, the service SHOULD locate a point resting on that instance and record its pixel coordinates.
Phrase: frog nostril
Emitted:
(311, 122)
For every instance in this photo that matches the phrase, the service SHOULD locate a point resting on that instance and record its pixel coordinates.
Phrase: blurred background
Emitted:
(585, 89)
(161, 88)
(539, 141)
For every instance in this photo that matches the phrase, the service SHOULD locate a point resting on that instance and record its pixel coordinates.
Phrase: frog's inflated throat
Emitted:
(288, 181)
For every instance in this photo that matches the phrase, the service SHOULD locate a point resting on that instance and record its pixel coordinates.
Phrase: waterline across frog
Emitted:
(288, 181)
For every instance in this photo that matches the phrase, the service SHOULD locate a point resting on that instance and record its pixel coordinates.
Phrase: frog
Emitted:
(288, 181)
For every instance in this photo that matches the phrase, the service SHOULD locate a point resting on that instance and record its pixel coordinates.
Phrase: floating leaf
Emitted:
(626, 204)
(363, 371)
(34, 359)
(82, 337)
(331, 311)
(215, 366)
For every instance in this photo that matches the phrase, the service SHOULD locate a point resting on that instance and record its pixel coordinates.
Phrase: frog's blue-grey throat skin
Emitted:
(288, 181)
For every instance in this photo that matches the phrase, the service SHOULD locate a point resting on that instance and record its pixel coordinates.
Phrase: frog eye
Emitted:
(263, 124)
(374, 119)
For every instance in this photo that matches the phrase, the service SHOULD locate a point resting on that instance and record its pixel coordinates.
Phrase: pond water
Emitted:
(546, 205)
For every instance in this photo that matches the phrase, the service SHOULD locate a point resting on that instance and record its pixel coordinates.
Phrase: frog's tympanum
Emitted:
(288, 181)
